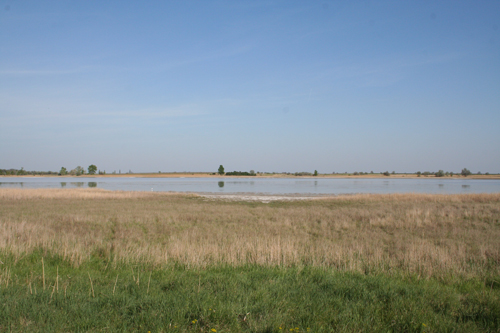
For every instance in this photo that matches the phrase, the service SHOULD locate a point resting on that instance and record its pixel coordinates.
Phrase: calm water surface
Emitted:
(226, 185)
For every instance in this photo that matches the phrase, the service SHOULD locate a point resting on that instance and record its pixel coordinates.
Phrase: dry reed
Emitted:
(428, 235)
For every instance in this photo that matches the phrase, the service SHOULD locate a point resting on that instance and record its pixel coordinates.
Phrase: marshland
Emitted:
(249, 166)
(160, 261)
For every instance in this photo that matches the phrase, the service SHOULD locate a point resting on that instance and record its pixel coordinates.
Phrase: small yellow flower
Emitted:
(194, 321)
(424, 325)
(213, 330)
(209, 309)
(280, 328)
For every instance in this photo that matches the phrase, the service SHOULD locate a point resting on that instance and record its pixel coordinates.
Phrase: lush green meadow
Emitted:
(91, 260)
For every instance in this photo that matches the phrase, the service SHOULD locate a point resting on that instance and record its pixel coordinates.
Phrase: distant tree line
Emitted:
(356, 173)
(21, 172)
(303, 173)
(241, 173)
(91, 170)
(78, 171)
(465, 172)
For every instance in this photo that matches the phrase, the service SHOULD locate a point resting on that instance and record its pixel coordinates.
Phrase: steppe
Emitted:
(90, 259)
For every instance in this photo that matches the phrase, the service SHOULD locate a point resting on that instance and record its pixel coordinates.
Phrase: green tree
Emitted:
(465, 172)
(315, 172)
(79, 170)
(440, 173)
(221, 170)
(63, 171)
(92, 169)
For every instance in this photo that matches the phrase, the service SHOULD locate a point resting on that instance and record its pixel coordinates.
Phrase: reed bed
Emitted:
(418, 234)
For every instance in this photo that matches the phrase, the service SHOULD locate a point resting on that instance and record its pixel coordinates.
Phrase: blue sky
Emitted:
(265, 85)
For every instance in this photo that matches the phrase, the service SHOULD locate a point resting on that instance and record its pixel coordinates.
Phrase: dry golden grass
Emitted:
(428, 235)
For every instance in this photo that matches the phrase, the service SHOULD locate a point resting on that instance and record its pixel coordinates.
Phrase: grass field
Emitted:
(94, 260)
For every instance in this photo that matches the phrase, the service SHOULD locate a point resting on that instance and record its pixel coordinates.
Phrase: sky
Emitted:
(270, 86)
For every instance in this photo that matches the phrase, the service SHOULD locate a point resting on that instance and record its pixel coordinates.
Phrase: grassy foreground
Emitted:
(92, 260)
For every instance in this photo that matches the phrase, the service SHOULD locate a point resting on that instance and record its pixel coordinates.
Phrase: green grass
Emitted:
(234, 299)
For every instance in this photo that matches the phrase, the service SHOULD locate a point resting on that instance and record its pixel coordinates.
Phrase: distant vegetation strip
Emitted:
(240, 173)
(93, 170)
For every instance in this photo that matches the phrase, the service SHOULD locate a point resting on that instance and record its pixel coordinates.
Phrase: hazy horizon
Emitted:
(275, 86)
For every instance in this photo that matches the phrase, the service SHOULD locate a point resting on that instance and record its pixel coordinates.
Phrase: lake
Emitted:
(269, 186)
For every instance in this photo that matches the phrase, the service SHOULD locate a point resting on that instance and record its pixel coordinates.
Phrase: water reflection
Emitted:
(266, 186)
(20, 184)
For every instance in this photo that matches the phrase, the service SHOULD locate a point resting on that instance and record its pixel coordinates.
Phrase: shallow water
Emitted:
(271, 186)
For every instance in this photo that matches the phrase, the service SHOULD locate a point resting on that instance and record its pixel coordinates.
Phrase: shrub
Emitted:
(303, 173)
(240, 173)
(440, 173)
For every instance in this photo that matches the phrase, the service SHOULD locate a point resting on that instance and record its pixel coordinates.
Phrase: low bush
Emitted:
(240, 173)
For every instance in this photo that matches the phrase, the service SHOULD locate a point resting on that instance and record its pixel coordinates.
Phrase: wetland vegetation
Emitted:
(95, 260)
